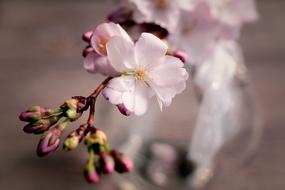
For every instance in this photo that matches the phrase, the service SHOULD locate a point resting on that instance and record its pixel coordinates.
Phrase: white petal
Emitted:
(168, 72)
(122, 84)
(121, 54)
(167, 79)
(117, 87)
(137, 101)
(113, 96)
(164, 95)
(149, 49)
(89, 62)
(95, 63)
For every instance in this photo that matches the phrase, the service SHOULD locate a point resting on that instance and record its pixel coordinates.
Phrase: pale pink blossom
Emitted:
(234, 12)
(103, 33)
(96, 61)
(196, 33)
(165, 13)
(145, 70)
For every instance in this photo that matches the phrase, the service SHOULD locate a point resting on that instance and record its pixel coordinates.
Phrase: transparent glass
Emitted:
(187, 145)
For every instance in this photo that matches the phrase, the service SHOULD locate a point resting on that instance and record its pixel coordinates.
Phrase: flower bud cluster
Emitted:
(45, 121)
(102, 159)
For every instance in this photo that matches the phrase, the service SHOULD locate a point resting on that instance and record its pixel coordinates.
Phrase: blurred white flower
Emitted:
(196, 33)
(165, 13)
(145, 70)
(234, 12)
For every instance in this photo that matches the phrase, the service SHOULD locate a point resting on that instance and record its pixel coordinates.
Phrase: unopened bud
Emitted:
(91, 175)
(96, 137)
(106, 162)
(71, 103)
(41, 125)
(71, 143)
(90, 172)
(122, 162)
(72, 114)
(35, 113)
(87, 50)
(181, 55)
(74, 138)
(49, 142)
(122, 108)
(87, 36)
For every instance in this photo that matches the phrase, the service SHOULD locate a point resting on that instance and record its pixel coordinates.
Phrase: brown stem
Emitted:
(100, 87)
(90, 120)
(92, 100)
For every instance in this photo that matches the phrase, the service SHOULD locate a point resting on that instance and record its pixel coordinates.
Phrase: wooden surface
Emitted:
(40, 40)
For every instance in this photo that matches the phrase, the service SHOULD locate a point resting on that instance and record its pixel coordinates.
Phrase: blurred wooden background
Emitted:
(40, 40)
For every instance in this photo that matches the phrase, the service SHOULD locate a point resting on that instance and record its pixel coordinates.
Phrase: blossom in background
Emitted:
(165, 13)
(196, 33)
(145, 71)
(234, 12)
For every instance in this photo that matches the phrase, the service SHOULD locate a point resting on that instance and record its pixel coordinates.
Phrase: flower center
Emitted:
(102, 45)
(140, 74)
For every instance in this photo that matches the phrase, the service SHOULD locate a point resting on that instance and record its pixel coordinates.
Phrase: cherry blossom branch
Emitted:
(92, 100)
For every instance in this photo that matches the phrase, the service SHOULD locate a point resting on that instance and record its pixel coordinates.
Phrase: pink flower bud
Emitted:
(122, 108)
(35, 113)
(87, 50)
(106, 161)
(90, 174)
(181, 55)
(30, 116)
(87, 36)
(122, 162)
(40, 126)
(49, 142)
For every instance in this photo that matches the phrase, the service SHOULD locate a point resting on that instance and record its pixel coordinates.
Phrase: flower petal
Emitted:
(117, 88)
(94, 63)
(137, 101)
(121, 54)
(167, 79)
(122, 84)
(149, 49)
(113, 96)
(168, 72)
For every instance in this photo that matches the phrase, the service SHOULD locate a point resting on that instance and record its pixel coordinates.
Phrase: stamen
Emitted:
(140, 74)
(102, 44)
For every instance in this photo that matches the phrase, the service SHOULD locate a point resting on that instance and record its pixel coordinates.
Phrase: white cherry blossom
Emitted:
(145, 70)
(234, 12)
(196, 33)
(165, 13)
